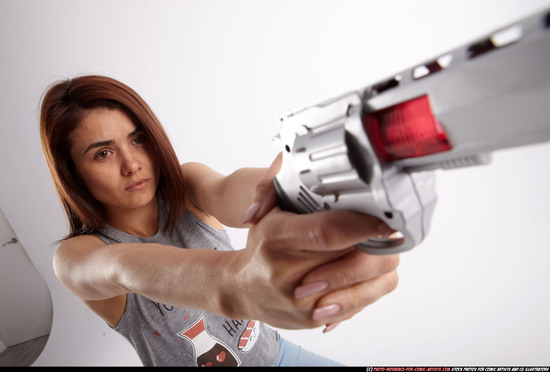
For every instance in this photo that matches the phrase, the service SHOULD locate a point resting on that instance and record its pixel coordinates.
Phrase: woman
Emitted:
(131, 208)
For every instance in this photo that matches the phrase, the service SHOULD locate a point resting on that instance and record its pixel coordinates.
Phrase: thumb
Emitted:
(265, 196)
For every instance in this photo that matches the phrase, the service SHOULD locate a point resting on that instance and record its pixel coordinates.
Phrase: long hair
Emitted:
(64, 105)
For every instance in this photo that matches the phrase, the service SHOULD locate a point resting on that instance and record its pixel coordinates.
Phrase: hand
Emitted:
(304, 268)
(346, 286)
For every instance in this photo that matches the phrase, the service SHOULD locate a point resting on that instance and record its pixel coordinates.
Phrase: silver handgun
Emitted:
(375, 150)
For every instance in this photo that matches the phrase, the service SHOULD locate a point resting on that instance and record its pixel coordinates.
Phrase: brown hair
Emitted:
(64, 105)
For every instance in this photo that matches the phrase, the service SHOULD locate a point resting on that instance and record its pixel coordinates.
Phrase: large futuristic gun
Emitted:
(374, 150)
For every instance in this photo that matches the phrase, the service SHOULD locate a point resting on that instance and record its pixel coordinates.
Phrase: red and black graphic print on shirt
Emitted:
(209, 351)
(249, 336)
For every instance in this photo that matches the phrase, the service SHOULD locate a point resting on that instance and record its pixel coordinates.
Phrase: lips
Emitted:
(138, 185)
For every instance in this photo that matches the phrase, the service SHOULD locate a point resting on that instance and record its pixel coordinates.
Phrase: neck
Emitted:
(142, 221)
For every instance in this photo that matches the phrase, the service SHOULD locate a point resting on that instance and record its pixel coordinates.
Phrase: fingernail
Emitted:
(310, 288)
(330, 327)
(326, 311)
(251, 212)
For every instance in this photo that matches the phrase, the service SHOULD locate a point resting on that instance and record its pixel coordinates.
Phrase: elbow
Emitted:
(61, 267)
(89, 277)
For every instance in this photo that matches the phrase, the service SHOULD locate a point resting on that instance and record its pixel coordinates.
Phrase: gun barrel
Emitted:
(489, 95)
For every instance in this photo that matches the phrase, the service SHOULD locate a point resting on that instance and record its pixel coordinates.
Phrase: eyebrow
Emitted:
(110, 142)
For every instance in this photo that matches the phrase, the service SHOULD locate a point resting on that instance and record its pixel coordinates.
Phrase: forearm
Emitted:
(227, 198)
(192, 278)
(236, 195)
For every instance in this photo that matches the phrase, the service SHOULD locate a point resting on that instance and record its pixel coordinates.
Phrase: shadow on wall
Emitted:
(25, 302)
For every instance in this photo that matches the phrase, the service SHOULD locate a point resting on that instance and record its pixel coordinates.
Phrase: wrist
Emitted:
(232, 301)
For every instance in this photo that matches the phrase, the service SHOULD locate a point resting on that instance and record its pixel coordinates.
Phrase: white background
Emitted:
(218, 73)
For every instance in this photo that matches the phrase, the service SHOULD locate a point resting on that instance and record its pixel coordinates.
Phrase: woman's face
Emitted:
(114, 159)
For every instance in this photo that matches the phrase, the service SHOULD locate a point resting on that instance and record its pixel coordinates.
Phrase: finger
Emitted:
(353, 268)
(265, 196)
(317, 232)
(343, 304)
(265, 190)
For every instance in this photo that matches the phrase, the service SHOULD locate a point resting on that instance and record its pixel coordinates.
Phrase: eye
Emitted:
(139, 139)
(103, 154)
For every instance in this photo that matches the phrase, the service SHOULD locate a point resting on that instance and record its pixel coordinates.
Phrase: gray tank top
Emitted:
(164, 335)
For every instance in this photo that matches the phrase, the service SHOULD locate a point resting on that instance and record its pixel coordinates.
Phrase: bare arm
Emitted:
(192, 278)
(226, 198)
(257, 282)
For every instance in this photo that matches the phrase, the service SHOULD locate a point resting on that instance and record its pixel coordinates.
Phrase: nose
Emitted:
(130, 164)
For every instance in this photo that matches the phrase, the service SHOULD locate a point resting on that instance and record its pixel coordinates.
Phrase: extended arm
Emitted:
(227, 198)
(258, 282)
(94, 271)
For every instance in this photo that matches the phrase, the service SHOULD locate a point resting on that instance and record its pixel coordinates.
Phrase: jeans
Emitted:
(293, 355)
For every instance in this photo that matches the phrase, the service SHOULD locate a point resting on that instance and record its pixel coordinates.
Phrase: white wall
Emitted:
(25, 306)
(217, 73)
